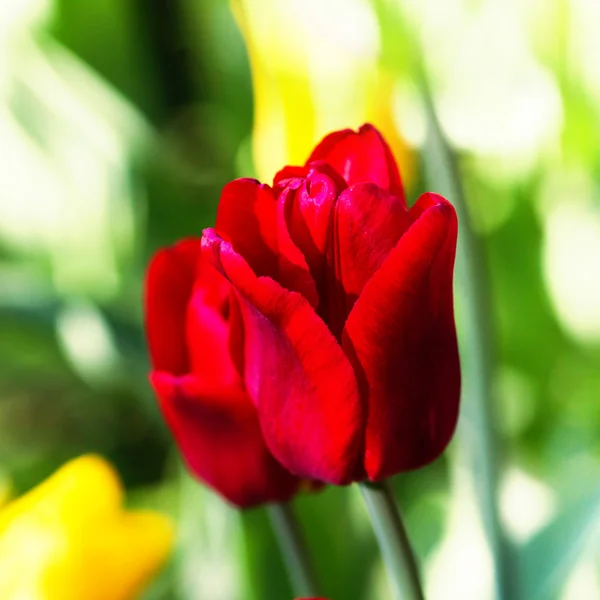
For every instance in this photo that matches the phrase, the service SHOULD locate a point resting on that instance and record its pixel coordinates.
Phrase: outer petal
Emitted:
(247, 218)
(169, 283)
(360, 157)
(401, 339)
(297, 374)
(221, 441)
(367, 224)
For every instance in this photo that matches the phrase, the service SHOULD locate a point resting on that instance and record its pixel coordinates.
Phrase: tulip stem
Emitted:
(396, 550)
(479, 444)
(294, 549)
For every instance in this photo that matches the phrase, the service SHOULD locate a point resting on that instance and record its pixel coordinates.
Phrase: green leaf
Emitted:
(548, 558)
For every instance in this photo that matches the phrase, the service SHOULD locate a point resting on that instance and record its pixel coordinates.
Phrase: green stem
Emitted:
(478, 436)
(395, 546)
(294, 550)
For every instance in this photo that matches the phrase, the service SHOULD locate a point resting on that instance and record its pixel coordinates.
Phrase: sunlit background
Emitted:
(120, 121)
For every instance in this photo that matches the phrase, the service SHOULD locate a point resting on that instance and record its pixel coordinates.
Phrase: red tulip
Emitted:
(195, 338)
(350, 353)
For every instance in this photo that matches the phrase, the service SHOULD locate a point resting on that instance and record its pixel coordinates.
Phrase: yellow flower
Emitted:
(71, 539)
(315, 69)
(4, 489)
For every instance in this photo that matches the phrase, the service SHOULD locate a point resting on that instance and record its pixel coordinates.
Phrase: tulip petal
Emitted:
(297, 374)
(293, 272)
(169, 283)
(360, 157)
(289, 172)
(221, 442)
(304, 223)
(401, 339)
(249, 218)
(283, 177)
(368, 222)
(209, 331)
(246, 217)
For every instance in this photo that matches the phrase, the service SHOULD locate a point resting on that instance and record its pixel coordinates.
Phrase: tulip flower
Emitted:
(325, 68)
(195, 338)
(70, 538)
(350, 351)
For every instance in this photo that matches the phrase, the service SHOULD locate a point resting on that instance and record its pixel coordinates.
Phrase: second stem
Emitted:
(396, 550)
(293, 548)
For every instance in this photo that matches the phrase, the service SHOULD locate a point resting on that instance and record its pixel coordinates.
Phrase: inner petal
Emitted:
(208, 332)
(367, 223)
(308, 219)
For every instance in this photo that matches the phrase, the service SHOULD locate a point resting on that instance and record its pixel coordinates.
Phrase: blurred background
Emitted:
(120, 121)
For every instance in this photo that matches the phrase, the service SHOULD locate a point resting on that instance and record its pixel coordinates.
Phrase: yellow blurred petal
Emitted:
(83, 489)
(132, 551)
(380, 114)
(5, 490)
(114, 561)
(279, 66)
(70, 539)
(314, 77)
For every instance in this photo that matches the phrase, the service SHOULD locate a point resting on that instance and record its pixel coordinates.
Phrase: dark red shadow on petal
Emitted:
(213, 330)
(220, 440)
